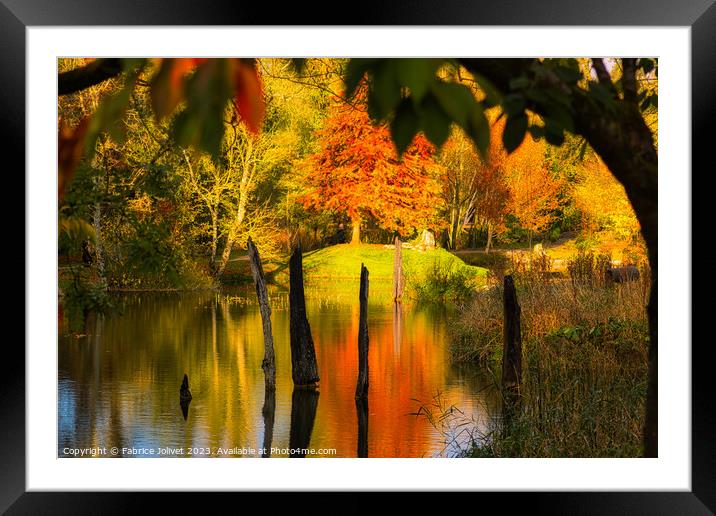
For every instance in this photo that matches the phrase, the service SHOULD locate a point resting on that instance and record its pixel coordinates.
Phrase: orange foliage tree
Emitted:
(357, 171)
(533, 188)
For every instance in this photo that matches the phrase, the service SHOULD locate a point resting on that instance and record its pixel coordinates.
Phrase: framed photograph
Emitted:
(418, 250)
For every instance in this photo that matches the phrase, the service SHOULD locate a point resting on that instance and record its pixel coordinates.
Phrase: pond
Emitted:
(119, 382)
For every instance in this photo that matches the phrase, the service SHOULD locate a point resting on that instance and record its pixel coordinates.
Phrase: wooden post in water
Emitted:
(512, 350)
(362, 385)
(398, 277)
(257, 271)
(304, 368)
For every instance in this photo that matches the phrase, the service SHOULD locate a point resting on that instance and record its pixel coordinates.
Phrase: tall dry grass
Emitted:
(549, 303)
(585, 344)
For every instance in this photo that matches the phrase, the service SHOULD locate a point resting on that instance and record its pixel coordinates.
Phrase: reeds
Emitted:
(585, 343)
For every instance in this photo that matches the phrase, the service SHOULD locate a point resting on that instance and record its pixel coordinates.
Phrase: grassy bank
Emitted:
(430, 275)
(585, 348)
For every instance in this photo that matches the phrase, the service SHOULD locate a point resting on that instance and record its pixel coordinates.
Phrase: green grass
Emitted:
(343, 261)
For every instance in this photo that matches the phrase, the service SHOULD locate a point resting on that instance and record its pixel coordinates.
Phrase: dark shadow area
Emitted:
(304, 404)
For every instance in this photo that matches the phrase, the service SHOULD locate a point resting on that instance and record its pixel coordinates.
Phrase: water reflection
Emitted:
(118, 385)
(184, 404)
(269, 413)
(362, 412)
(304, 404)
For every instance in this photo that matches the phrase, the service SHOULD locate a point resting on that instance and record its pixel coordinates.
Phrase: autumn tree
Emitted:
(602, 202)
(356, 170)
(534, 190)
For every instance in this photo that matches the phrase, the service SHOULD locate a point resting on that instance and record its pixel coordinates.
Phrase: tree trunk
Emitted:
(304, 368)
(99, 252)
(362, 384)
(257, 271)
(238, 221)
(304, 404)
(355, 237)
(214, 241)
(398, 277)
(489, 238)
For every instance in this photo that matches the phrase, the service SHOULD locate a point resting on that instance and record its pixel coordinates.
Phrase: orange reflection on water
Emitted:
(119, 386)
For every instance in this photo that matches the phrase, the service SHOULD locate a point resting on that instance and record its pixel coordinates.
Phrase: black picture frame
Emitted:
(699, 15)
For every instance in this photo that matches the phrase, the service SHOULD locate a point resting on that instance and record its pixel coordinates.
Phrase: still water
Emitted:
(119, 383)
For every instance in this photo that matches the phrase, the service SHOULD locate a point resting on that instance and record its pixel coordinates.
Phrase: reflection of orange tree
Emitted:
(357, 171)
(412, 373)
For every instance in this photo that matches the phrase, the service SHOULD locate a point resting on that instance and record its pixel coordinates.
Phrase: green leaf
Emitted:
(478, 128)
(514, 133)
(568, 75)
(553, 133)
(519, 83)
(492, 95)
(513, 104)
(647, 65)
(417, 75)
(109, 117)
(433, 120)
(201, 124)
(355, 71)
(385, 89)
(537, 131)
(456, 100)
(404, 126)
(559, 115)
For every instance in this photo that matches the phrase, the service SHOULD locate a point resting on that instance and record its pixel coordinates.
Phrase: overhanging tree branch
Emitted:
(92, 73)
(629, 79)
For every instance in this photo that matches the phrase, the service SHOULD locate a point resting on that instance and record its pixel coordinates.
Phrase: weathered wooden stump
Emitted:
(257, 271)
(362, 413)
(304, 404)
(184, 392)
(362, 384)
(512, 350)
(304, 368)
(269, 413)
(398, 276)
